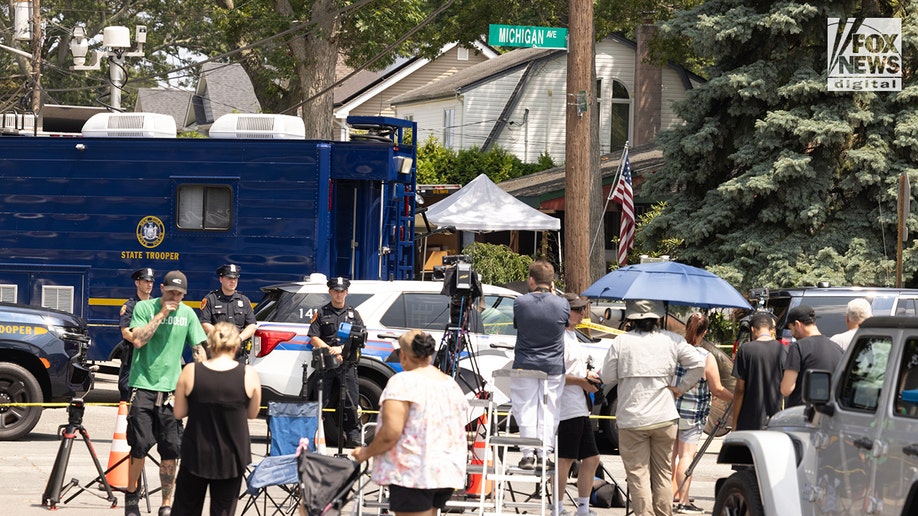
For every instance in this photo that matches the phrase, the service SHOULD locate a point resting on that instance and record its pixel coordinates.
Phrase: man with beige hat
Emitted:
(642, 363)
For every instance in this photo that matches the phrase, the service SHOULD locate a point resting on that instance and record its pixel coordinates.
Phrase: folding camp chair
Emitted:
(287, 423)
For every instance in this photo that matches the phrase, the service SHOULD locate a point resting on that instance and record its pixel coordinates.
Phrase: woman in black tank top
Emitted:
(219, 396)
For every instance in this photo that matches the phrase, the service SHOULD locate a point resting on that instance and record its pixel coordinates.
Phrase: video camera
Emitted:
(353, 338)
(75, 412)
(457, 274)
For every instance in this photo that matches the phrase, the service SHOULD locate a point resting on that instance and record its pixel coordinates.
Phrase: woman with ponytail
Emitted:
(420, 445)
(219, 396)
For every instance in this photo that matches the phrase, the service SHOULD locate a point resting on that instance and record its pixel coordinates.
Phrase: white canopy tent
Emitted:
(481, 206)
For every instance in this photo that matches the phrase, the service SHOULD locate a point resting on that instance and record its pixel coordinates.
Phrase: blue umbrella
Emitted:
(671, 282)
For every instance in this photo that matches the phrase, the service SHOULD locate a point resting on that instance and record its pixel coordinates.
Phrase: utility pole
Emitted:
(36, 60)
(578, 148)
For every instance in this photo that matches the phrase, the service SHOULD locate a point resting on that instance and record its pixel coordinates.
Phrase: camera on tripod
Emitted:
(75, 412)
(353, 338)
(456, 273)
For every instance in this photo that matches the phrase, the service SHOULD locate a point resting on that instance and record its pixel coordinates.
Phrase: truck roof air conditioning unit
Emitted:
(258, 126)
(130, 125)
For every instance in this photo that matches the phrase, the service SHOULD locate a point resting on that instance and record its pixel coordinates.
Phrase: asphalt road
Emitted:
(26, 465)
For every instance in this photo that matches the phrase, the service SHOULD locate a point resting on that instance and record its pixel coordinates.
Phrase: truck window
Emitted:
(862, 381)
(907, 386)
(204, 207)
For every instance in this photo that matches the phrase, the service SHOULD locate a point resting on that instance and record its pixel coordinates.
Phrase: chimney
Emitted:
(648, 89)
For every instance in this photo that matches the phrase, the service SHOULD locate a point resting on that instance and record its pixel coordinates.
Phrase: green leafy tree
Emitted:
(439, 165)
(773, 180)
(498, 264)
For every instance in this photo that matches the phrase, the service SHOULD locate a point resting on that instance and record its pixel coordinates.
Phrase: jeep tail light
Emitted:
(270, 339)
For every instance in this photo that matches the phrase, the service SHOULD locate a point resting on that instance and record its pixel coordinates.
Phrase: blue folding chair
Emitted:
(287, 423)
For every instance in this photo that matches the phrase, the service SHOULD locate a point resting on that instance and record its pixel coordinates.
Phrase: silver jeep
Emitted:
(851, 449)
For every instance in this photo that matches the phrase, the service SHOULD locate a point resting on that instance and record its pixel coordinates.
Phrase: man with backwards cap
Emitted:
(810, 350)
(324, 334)
(228, 304)
(642, 363)
(143, 281)
(160, 330)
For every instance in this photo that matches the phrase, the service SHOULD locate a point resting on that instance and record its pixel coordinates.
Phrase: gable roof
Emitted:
(490, 69)
(174, 103)
(225, 88)
(366, 84)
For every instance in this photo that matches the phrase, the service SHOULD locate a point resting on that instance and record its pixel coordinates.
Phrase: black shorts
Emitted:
(575, 439)
(151, 421)
(409, 499)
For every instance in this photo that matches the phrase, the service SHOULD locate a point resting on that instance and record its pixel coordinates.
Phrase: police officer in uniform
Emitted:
(324, 334)
(227, 304)
(143, 281)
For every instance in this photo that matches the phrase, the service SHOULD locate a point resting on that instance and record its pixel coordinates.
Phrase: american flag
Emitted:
(624, 195)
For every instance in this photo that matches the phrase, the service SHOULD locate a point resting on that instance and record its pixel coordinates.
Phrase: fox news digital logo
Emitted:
(865, 54)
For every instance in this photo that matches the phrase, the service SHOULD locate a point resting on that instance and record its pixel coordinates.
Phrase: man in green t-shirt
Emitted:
(161, 328)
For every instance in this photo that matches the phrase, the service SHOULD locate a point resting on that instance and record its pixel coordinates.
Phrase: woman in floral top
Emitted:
(421, 445)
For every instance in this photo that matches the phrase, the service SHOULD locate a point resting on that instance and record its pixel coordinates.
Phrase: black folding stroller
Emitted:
(326, 483)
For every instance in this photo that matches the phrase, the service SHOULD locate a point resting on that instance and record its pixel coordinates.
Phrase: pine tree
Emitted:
(773, 180)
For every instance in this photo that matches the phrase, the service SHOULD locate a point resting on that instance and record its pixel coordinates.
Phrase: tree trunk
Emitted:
(316, 55)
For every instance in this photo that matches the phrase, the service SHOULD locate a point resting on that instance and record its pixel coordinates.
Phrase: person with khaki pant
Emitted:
(642, 363)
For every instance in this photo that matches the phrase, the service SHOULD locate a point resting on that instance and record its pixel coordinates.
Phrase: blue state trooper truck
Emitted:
(79, 214)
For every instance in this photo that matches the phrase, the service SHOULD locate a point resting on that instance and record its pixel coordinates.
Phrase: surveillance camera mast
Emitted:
(116, 39)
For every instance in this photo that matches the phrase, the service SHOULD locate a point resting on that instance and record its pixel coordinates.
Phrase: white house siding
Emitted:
(481, 106)
(614, 62)
(429, 117)
(545, 97)
(673, 90)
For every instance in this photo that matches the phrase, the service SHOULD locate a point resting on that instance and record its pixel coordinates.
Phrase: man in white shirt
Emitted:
(857, 312)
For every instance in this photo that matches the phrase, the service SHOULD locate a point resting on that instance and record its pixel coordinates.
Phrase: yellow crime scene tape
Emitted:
(599, 327)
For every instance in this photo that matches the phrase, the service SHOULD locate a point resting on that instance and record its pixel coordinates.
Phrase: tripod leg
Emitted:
(52, 493)
(101, 478)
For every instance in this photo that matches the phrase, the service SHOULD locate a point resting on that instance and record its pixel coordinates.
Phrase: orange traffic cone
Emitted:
(476, 486)
(320, 437)
(118, 460)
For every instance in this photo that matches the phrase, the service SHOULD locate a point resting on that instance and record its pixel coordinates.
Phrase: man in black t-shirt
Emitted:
(812, 350)
(758, 369)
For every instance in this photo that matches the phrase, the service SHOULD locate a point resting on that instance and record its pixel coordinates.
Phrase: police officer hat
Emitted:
(338, 283)
(229, 270)
(143, 274)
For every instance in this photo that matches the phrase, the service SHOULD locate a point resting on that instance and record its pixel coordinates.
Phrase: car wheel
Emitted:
(607, 424)
(17, 385)
(370, 393)
(739, 496)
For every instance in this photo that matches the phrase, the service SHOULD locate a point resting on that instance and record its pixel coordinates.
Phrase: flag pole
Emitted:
(618, 176)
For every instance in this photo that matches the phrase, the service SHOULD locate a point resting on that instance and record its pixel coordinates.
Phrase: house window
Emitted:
(9, 293)
(57, 298)
(204, 207)
(619, 116)
(448, 127)
(462, 54)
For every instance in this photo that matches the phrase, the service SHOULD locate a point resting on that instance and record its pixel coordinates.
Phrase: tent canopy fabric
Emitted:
(482, 206)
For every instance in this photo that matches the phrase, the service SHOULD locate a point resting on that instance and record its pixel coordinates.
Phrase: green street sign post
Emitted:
(523, 36)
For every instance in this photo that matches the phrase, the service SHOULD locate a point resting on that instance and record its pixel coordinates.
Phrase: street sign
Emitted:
(523, 36)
